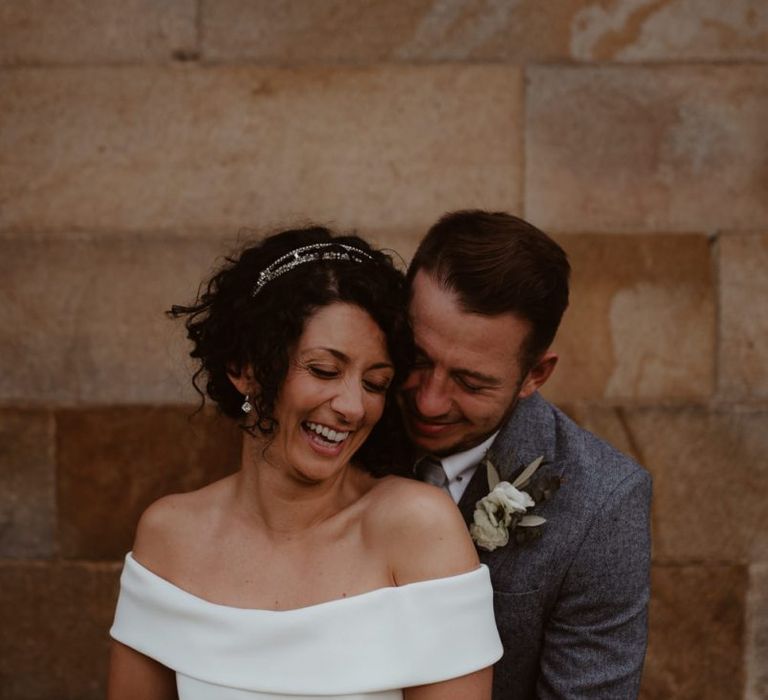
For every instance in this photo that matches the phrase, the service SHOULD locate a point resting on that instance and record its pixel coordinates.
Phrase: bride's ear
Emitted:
(243, 380)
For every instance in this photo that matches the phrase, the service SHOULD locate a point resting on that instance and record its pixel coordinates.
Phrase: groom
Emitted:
(488, 291)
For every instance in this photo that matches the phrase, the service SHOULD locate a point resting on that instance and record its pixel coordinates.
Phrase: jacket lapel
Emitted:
(477, 488)
(529, 433)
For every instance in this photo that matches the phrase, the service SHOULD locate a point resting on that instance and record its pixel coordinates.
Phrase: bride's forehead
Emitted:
(342, 326)
(338, 316)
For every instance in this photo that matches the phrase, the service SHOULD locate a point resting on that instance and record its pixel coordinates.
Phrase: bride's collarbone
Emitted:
(281, 573)
(286, 583)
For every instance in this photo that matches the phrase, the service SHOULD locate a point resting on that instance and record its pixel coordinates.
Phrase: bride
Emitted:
(314, 571)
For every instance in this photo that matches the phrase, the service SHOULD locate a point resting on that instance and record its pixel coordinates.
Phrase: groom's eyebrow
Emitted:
(468, 373)
(479, 376)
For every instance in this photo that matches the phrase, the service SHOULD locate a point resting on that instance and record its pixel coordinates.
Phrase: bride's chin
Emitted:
(308, 479)
(313, 474)
(307, 466)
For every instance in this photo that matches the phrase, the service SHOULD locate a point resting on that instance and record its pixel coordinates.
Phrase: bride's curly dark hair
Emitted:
(231, 329)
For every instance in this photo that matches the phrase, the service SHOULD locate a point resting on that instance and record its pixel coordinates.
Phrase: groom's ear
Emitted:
(538, 374)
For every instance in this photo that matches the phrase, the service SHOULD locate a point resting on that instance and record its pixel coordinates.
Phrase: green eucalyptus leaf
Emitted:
(527, 473)
(493, 474)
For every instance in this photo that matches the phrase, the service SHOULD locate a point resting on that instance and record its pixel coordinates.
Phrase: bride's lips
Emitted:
(321, 445)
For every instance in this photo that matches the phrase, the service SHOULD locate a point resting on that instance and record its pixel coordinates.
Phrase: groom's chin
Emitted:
(440, 440)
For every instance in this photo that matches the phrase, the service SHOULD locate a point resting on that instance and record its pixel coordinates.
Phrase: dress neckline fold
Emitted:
(381, 640)
(383, 591)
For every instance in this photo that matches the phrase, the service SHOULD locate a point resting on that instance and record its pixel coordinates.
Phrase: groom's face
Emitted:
(467, 377)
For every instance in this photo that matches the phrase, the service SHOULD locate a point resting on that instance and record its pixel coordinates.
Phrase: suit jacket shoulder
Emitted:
(587, 574)
(595, 477)
(539, 428)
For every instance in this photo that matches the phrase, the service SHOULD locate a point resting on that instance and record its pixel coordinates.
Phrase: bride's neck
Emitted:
(272, 497)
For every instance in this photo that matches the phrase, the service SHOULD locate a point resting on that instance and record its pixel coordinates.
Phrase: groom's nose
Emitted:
(431, 396)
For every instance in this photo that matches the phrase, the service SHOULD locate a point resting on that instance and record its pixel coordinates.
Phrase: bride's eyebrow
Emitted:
(342, 357)
(331, 351)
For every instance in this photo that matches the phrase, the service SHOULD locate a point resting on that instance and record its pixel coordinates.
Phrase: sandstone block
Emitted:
(109, 31)
(710, 476)
(610, 423)
(27, 484)
(641, 321)
(92, 314)
(743, 354)
(695, 644)
(114, 462)
(645, 30)
(757, 633)
(384, 149)
(54, 639)
(647, 149)
(710, 501)
(302, 31)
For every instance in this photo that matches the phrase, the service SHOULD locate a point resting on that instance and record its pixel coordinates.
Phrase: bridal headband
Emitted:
(308, 253)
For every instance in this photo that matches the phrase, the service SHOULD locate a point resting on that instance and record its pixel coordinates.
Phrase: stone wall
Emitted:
(138, 137)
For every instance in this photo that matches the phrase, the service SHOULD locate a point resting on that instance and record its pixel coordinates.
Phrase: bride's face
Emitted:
(333, 394)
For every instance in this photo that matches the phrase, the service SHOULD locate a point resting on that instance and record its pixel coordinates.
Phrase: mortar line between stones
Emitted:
(109, 565)
(354, 62)
(751, 641)
(714, 261)
(700, 562)
(523, 143)
(633, 444)
(199, 10)
(54, 447)
(746, 636)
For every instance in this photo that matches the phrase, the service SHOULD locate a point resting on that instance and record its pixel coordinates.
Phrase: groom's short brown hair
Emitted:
(497, 263)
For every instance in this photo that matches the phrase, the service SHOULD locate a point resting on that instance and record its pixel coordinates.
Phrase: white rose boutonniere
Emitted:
(505, 507)
(493, 515)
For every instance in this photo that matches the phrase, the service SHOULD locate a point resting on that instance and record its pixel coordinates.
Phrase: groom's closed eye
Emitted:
(475, 382)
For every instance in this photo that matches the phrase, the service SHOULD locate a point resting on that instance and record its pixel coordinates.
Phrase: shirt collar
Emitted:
(455, 465)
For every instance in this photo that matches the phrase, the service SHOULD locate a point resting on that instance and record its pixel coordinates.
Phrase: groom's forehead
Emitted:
(435, 307)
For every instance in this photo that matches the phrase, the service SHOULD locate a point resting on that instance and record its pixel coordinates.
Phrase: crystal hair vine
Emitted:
(308, 253)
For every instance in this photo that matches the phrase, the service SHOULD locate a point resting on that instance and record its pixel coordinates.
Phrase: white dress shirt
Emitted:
(460, 468)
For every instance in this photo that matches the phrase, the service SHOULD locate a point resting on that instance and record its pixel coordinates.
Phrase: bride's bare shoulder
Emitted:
(396, 493)
(421, 530)
(173, 524)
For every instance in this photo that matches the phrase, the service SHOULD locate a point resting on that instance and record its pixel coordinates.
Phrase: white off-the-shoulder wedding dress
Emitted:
(365, 647)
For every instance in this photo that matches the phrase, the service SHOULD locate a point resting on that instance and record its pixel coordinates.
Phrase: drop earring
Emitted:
(247, 407)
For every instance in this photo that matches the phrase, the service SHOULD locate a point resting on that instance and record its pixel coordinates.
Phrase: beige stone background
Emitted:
(138, 136)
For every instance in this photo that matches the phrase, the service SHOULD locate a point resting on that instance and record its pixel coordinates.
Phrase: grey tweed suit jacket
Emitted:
(571, 607)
